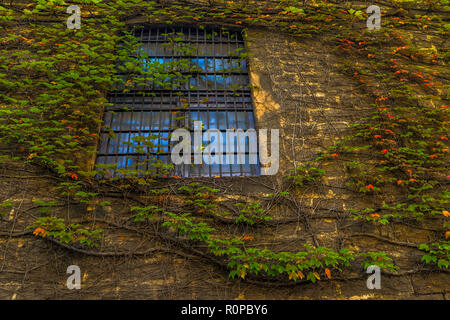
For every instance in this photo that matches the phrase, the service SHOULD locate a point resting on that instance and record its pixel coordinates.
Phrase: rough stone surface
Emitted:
(298, 90)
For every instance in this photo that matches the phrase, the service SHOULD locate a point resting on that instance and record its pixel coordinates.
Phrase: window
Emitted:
(215, 91)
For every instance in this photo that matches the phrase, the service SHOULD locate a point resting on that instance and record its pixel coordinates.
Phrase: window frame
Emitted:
(247, 106)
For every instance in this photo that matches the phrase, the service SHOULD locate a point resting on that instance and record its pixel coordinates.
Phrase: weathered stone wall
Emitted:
(300, 90)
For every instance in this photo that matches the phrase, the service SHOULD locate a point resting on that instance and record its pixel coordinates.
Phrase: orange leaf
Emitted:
(328, 273)
(446, 213)
(39, 231)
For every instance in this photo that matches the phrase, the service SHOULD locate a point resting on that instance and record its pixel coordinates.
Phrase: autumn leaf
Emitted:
(39, 231)
(328, 273)
(300, 274)
(316, 275)
(446, 213)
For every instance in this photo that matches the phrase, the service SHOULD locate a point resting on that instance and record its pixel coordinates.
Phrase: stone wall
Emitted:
(299, 89)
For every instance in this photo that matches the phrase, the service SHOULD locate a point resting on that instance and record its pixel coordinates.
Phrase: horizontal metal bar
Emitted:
(232, 73)
(161, 130)
(173, 92)
(207, 41)
(157, 108)
(164, 154)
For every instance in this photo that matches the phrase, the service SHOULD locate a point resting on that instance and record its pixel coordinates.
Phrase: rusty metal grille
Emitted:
(217, 93)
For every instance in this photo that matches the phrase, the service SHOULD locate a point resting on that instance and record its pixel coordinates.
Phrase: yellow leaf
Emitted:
(300, 274)
(316, 275)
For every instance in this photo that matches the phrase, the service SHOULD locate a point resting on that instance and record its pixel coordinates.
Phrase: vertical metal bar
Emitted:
(242, 94)
(216, 98)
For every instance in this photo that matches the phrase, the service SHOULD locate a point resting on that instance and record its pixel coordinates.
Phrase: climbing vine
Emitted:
(54, 80)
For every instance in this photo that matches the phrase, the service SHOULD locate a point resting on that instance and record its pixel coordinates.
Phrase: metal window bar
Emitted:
(218, 97)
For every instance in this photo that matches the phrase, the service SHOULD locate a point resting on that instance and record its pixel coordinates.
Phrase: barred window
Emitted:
(212, 86)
